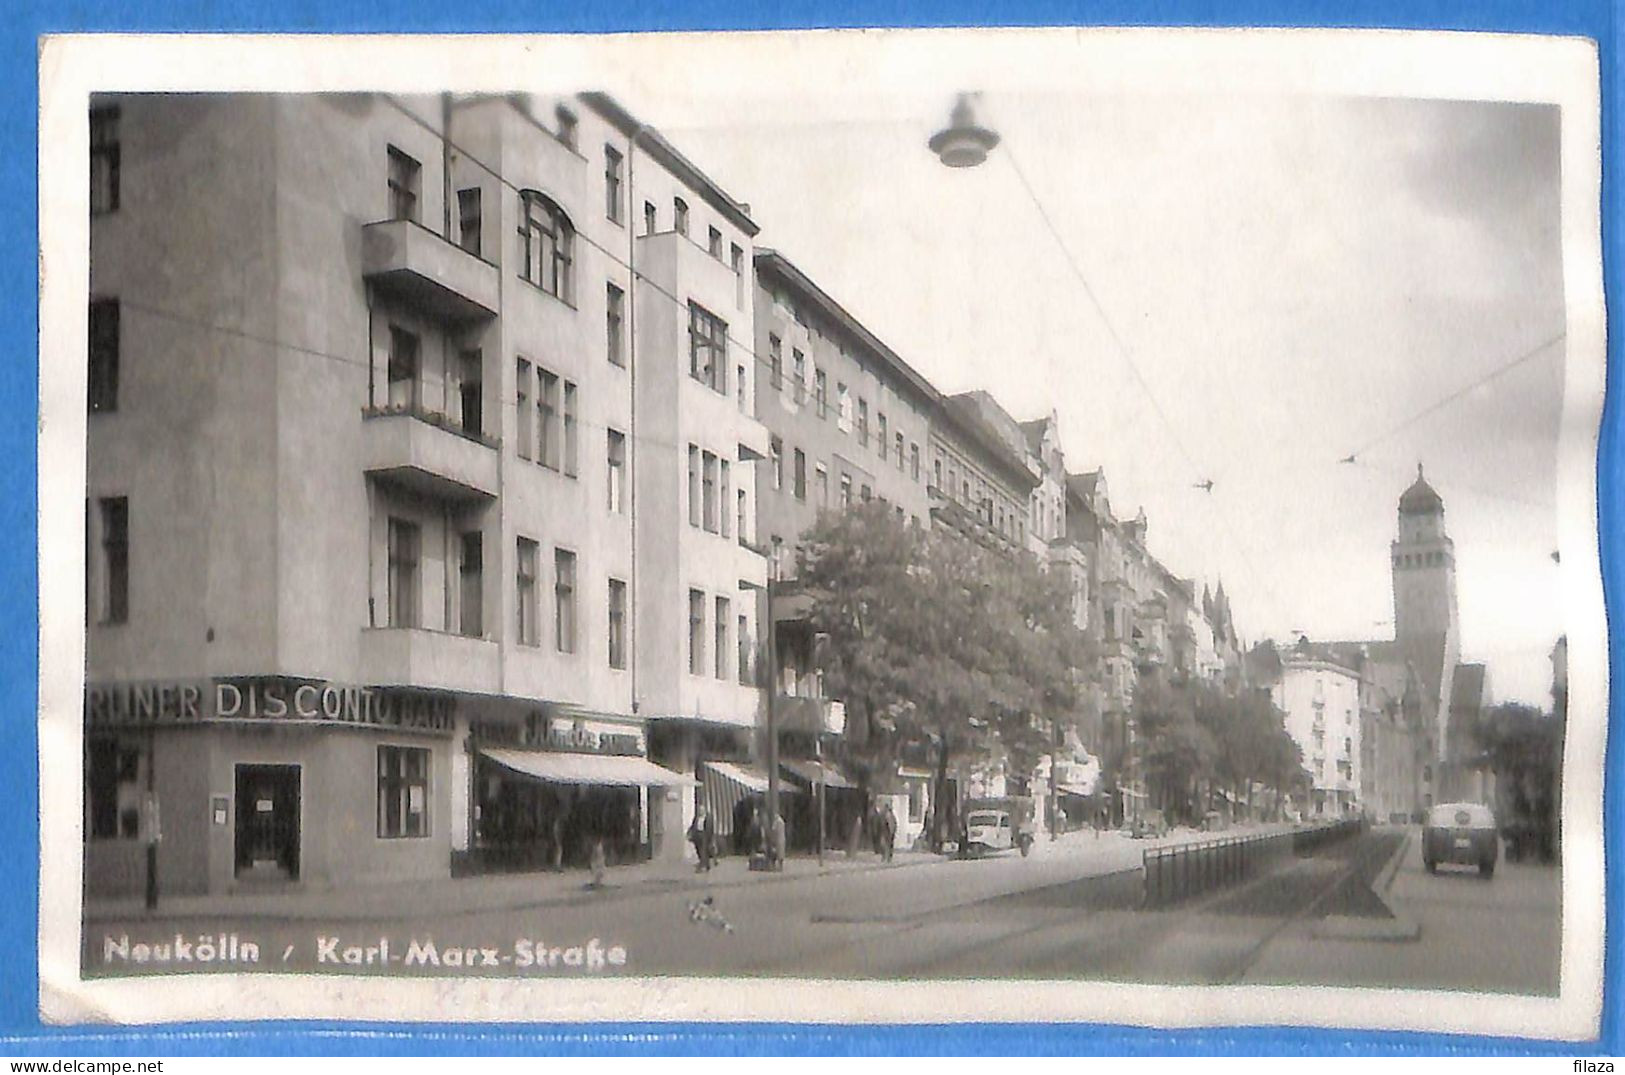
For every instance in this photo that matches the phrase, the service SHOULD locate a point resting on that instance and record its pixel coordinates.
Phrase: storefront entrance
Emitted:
(267, 830)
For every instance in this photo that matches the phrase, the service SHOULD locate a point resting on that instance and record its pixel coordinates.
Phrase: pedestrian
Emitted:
(702, 834)
(776, 842)
(598, 862)
(888, 831)
(557, 848)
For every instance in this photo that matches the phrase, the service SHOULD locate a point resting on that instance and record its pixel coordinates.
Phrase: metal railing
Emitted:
(1180, 871)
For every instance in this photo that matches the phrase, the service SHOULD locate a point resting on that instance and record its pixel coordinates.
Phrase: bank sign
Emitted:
(124, 705)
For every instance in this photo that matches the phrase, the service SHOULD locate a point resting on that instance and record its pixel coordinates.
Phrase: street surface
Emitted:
(1068, 912)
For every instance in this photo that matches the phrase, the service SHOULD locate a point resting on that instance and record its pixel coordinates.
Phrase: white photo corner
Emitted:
(836, 527)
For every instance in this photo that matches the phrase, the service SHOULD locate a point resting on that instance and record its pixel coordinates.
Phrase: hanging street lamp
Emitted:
(963, 144)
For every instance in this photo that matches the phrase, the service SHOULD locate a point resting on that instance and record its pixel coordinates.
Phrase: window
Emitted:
(843, 408)
(468, 220)
(617, 623)
(693, 486)
(572, 454)
(713, 243)
(471, 392)
(616, 459)
(799, 371)
(707, 348)
(708, 499)
(650, 220)
(403, 573)
(567, 126)
(821, 391)
(612, 183)
(615, 321)
(550, 434)
(744, 534)
(696, 633)
(863, 421)
(737, 260)
(103, 160)
(403, 368)
(775, 450)
(522, 398)
(679, 216)
(823, 485)
(913, 460)
(564, 600)
(799, 475)
(775, 362)
(115, 559)
(114, 783)
(547, 250)
(405, 174)
(936, 473)
(846, 490)
(723, 621)
(743, 640)
(104, 355)
(525, 577)
(868, 494)
(739, 381)
(883, 438)
(725, 496)
(403, 792)
(471, 573)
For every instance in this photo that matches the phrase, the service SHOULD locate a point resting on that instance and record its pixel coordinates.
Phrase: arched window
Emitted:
(547, 247)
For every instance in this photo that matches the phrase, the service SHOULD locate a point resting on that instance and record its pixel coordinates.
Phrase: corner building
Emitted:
(391, 508)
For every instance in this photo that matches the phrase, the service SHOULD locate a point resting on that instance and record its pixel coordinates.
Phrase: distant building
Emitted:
(1322, 697)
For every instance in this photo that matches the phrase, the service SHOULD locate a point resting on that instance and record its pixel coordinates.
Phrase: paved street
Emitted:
(1499, 935)
(1067, 912)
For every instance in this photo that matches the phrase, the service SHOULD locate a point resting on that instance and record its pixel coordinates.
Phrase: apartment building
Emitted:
(394, 561)
(980, 485)
(1323, 698)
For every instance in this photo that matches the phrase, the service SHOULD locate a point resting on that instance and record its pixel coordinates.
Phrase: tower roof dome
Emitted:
(1420, 498)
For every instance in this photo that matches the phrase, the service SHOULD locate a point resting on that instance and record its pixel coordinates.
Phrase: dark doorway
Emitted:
(268, 822)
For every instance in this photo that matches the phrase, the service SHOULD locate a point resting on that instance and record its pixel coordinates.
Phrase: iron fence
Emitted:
(1180, 871)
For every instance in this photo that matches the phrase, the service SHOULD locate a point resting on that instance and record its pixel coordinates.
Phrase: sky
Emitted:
(1277, 281)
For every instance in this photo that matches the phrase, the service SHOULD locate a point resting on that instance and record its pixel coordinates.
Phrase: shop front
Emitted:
(255, 783)
(552, 787)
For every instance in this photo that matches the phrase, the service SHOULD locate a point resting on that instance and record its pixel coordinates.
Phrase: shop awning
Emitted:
(557, 767)
(728, 784)
(810, 772)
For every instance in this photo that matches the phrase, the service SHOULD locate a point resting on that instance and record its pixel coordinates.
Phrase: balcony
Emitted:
(753, 439)
(423, 454)
(441, 278)
(811, 715)
(416, 657)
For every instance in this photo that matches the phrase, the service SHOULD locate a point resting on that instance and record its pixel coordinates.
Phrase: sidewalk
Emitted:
(489, 892)
(515, 891)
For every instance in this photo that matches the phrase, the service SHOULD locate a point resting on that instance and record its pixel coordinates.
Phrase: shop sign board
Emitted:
(571, 734)
(123, 705)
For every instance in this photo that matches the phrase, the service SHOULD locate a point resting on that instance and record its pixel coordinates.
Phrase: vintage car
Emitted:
(996, 825)
(1461, 833)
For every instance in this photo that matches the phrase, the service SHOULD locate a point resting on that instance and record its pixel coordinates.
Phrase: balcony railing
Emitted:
(436, 276)
(417, 657)
(428, 455)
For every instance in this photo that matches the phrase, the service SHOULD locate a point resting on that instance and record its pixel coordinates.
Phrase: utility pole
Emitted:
(818, 753)
(772, 678)
(1054, 783)
(149, 820)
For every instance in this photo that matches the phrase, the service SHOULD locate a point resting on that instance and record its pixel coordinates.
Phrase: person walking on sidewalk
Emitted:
(888, 831)
(702, 833)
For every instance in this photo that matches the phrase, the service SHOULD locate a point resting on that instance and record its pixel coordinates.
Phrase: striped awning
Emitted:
(726, 785)
(811, 771)
(607, 770)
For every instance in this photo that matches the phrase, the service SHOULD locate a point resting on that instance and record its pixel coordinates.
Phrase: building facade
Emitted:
(391, 501)
(1323, 699)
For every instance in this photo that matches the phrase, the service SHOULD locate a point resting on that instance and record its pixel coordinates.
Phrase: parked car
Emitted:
(994, 830)
(1461, 833)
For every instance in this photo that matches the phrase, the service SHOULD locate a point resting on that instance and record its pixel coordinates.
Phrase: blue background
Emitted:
(20, 1030)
